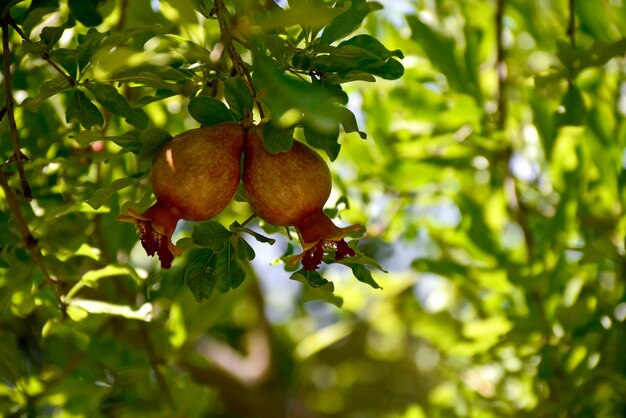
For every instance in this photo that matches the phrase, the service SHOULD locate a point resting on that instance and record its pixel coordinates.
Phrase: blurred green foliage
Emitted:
(494, 201)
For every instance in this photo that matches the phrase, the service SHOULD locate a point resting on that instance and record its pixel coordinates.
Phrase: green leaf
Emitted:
(372, 45)
(575, 109)
(80, 109)
(316, 287)
(67, 59)
(287, 94)
(85, 11)
(153, 139)
(242, 248)
(210, 234)
(235, 228)
(348, 121)
(347, 22)
(48, 89)
(322, 140)
(209, 111)
(88, 45)
(390, 70)
(228, 269)
(102, 195)
(111, 100)
(144, 313)
(51, 34)
(199, 276)
(364, 275)
(277, 138)
(238, 97)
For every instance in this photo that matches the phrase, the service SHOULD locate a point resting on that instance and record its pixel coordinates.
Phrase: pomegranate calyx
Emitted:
(155, 228)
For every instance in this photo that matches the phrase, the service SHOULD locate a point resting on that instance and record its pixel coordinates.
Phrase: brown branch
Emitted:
(9, 106)
(239, 65)
(44, 55)
(501, 64)
(30, 242)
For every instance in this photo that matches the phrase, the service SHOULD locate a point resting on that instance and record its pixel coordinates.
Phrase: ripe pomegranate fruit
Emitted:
(194, 176)
(290, 189)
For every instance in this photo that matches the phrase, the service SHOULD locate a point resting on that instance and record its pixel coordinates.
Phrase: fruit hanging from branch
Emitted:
(290, 189)
(194, 177)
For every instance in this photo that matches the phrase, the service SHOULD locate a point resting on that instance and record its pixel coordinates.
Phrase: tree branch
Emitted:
(30, 242)
(9, 107)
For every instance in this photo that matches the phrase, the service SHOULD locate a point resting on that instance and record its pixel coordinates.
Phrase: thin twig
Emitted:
(238, 64)
(8, 105)
(44, 55)
(501, 64)
(571, 27)
(29, 240)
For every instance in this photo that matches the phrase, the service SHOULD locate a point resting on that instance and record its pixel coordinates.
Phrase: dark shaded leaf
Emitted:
(85, 11)
(200, 277)
(316, 287)
(117, 104)
(88, 45)
(153, 140)
(322, 140)
(238, 97)
(209, 111)
(80, 109)
(210, 234)
(228, 269)
(276, 138)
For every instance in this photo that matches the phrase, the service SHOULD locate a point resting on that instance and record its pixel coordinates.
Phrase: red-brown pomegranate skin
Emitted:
(194, 177)
(287, 187)
(290, 189)
(197, 172)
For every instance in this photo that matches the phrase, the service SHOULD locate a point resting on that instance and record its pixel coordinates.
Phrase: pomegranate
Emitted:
(290, 189)
(194, 176)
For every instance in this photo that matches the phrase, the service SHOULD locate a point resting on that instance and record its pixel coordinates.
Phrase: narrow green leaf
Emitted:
(235, 227)
(80, 109)
(277, 138)
(48, 89)
(238, 97)
(210, 234)
(144, 313)
(111, 100)
(102, 195)
(199, 277)
(209, 111)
